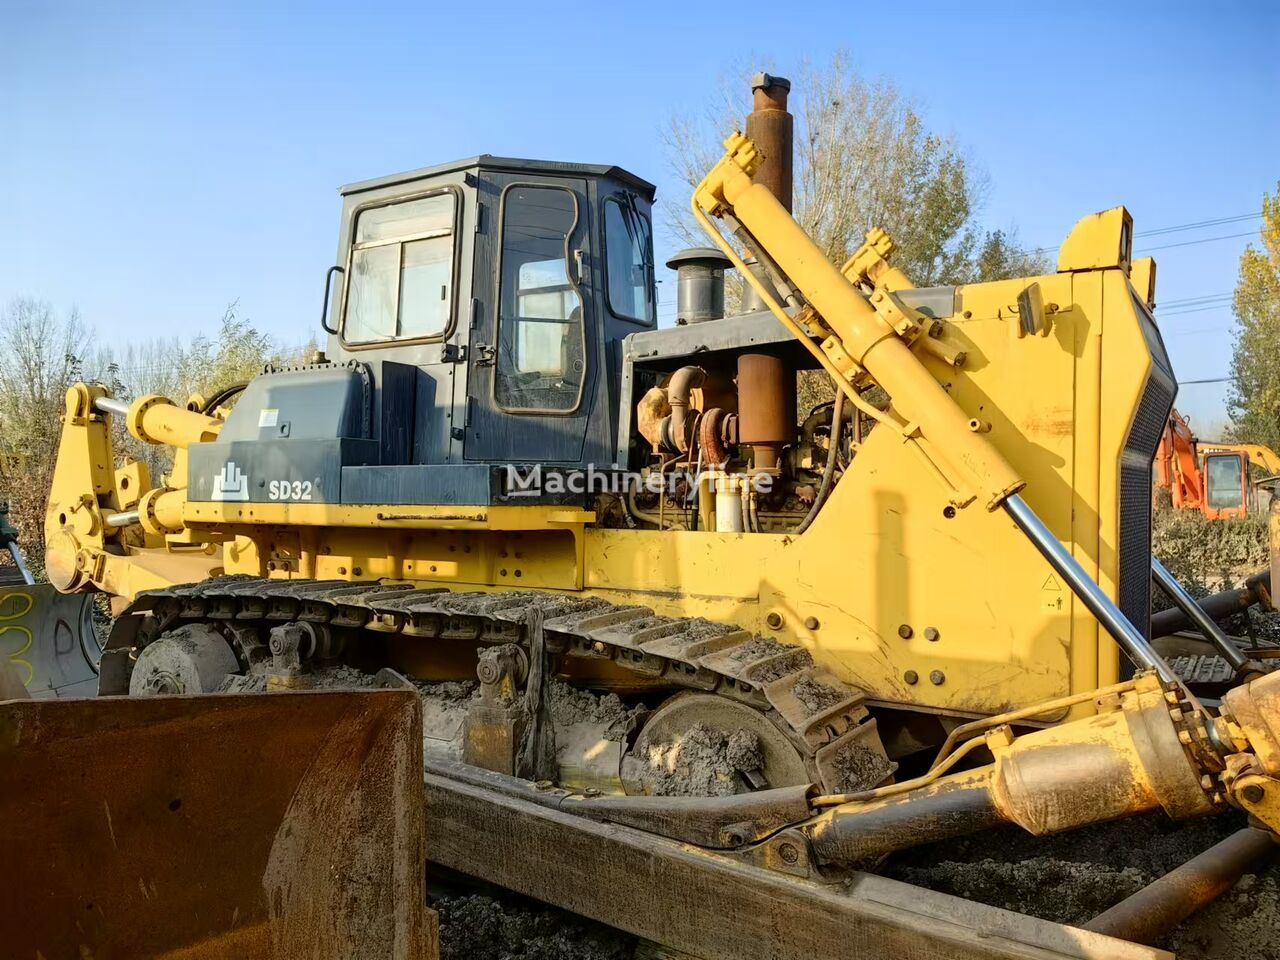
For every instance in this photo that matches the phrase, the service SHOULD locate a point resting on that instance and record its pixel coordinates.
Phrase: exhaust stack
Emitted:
(699, 284)
(771, 128)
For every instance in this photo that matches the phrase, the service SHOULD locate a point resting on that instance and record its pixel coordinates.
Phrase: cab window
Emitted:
(628, 245)
(540, 359)
(400, 278)
(1224, 478)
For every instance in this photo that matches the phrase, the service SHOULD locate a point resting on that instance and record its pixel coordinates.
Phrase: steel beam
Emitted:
(714, 907)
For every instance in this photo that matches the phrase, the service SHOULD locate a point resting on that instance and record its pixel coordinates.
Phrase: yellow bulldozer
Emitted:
(831, 634)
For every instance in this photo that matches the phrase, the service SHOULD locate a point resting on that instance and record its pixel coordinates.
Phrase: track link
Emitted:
(825, 718)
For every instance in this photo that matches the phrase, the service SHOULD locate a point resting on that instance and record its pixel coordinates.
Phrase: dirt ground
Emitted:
(481, 926)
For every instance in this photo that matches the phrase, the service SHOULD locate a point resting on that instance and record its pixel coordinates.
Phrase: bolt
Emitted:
(788, 853)
(911, 677)
(937, 678)
(931, 633)
(811, 623)
(1253, 793)
(905, 631)
(949, 512)
(774, 620)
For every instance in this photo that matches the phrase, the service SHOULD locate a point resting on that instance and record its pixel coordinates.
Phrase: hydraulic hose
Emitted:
(829, 472)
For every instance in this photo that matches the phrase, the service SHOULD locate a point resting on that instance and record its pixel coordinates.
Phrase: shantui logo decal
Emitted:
(231, 483)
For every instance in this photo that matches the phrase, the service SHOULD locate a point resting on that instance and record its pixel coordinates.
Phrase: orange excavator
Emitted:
(1213, 477)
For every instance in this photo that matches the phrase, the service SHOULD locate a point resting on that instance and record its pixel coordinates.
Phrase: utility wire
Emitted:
(1197, 225)
(1189, 243)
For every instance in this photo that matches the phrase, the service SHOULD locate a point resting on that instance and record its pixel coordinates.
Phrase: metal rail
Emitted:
(1156, 909)
(715, 906)
(1167, 582)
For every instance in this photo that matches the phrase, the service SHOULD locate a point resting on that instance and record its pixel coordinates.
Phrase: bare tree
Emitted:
(39, 360)
(863, 158)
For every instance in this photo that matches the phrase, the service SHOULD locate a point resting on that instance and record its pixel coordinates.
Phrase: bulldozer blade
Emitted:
(48, 640)
(224, 826)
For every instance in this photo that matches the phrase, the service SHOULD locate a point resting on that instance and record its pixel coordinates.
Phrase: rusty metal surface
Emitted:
(1156, 909)
(221, 826)
(717, 908)
(1256, 589)
(48, 639)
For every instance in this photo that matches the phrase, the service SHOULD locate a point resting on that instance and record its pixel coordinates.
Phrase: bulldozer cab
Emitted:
(489, 298)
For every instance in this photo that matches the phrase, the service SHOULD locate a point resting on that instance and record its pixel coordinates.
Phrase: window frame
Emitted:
(617, 199)
(574, 283)
(1239, 485)
(455, 232)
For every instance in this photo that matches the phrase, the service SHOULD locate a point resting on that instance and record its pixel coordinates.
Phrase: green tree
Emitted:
(1253, 398)
(863, 158)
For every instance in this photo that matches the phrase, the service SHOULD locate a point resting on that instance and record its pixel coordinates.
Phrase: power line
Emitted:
(1197, 225)
(1179, 227)
(1189, 243)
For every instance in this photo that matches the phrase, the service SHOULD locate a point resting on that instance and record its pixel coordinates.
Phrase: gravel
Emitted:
(1073, 877)
(479, 927)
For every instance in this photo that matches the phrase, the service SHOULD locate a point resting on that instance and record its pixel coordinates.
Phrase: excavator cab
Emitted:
(1226, 477)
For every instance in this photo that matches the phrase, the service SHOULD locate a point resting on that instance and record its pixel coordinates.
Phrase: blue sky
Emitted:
(161, 160)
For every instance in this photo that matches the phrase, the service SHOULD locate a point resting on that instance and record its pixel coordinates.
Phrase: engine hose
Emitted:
(829, 472)
(221, 397)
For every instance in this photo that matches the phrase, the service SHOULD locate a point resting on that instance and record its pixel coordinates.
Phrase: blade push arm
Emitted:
(857, 339)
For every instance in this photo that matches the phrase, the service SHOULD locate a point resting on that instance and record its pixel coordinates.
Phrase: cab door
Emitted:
(533, 356)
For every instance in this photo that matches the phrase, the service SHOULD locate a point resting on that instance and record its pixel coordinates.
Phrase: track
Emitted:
(823, 718)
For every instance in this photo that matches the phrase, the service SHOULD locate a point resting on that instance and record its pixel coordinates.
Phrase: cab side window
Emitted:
(628, 249)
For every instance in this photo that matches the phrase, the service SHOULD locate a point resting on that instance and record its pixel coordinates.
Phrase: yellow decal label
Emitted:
(15, 606)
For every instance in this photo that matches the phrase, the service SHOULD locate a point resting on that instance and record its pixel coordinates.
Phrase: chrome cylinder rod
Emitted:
(1136, 646)
(20, 562)
(1167, 582)
(109, 405)
(125, 519)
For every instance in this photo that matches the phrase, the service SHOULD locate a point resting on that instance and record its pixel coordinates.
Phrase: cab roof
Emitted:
(511, 164)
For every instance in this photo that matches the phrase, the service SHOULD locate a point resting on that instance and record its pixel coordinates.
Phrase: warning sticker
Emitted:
(1052, 597)
(269, 417)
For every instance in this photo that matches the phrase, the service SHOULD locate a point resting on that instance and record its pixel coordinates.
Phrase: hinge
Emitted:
(453, 353)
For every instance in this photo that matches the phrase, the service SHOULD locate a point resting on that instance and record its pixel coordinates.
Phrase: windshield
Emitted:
(400, 283)
(1224, 477)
